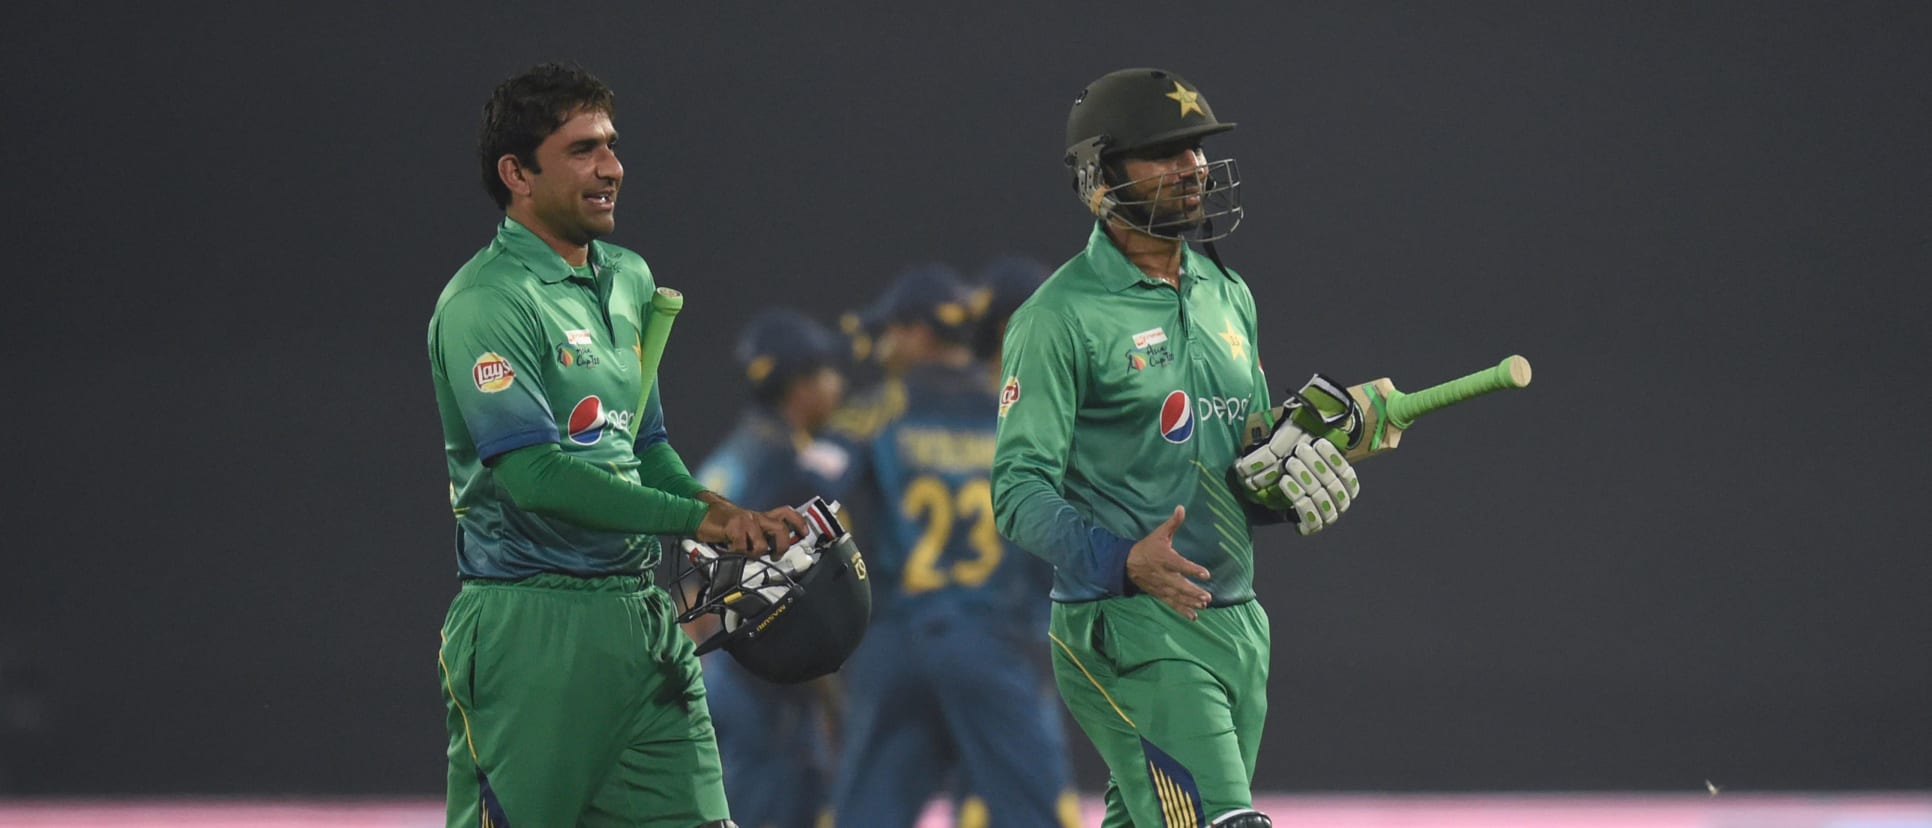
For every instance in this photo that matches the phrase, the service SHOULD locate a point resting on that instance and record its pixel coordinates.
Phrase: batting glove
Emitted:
(1294, 471)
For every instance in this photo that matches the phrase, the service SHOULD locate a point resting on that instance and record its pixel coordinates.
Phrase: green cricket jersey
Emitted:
(1124, 398)
(524, 350)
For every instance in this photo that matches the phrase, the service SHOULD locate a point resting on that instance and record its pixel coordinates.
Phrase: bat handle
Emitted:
(658, 316)
(1513, 372)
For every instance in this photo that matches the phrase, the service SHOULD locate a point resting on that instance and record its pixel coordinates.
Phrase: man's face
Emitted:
(903, 345)
(575, 195)
(822, 391)
(1170, 179)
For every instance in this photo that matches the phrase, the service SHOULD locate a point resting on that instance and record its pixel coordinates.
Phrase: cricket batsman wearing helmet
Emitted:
(1129, 377)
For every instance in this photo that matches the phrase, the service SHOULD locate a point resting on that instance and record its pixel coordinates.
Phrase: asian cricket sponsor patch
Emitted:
(575, 355)
(1154, 355)
(1154, 336)
(1009, 393)
(492, 373)
(577, 337)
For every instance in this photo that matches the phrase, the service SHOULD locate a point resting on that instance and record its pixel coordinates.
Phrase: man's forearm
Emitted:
(1035, 516)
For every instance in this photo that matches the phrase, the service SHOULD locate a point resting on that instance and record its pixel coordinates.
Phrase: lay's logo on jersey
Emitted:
(1177, 417)
(492, 373)
(589, 420)
(1009, 394)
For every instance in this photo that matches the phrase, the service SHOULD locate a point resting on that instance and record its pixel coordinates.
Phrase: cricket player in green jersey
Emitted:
(572, 697)
(1129, 379)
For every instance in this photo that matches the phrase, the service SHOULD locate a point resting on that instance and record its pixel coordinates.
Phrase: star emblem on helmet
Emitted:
(1190, 100)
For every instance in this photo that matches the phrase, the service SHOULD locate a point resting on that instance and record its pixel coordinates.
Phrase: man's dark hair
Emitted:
(525, 109)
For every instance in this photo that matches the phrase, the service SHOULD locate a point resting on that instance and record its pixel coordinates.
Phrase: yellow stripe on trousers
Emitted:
(1176, 805)
(451, 689)
(1096, 682)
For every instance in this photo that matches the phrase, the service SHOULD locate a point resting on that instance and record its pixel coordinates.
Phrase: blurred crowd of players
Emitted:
(892, 412)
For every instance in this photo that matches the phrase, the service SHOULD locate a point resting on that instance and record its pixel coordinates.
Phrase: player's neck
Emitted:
(795, 414)
(1157, 257)
(575, 255)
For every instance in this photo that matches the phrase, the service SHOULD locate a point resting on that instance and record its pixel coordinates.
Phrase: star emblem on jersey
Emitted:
(1237, 343)
(1190, 100)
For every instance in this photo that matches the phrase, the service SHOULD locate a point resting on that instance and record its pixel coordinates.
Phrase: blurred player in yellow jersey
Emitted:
(951, 684)
(775, 740)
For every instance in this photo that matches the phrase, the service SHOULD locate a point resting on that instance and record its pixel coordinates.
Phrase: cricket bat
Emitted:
(658, 316)
(1387, 412)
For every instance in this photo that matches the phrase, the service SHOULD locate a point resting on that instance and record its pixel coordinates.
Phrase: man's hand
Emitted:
(741, 530)
(1163, 573)
(1293, 471)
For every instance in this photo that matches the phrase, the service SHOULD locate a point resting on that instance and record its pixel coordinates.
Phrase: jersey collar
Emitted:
(1118, 274)
(536, 255)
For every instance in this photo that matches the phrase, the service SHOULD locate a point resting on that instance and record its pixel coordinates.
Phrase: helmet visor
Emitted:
(1200, 204)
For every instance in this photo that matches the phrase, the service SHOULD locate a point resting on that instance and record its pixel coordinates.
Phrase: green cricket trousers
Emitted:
(575, 702)
(1175, 707)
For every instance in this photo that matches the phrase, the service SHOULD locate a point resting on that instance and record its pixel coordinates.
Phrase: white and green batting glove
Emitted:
(1294, 471)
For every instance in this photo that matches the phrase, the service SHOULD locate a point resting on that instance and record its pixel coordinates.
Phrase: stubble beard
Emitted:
(577, 226)
(1178, 219)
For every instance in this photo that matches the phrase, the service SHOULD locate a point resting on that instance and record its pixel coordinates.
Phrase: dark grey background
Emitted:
(1693, 550)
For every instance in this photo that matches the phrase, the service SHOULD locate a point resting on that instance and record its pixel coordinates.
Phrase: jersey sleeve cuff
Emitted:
(494, 448)
(692, 515)
(1110, 560)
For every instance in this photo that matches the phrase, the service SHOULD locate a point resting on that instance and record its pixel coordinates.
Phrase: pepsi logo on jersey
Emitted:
(589, 420)
(1179, 413)
(1221, 409)
(1177, 417)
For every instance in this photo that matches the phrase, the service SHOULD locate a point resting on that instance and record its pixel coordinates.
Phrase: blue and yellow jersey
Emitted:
(921, 493)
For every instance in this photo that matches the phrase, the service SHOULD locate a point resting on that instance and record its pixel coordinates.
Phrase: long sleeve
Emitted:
(1046, 366)
(658, 464)
(544, 480)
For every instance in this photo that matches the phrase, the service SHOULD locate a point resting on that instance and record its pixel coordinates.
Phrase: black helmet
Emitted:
(1138, 109)
(779, 345)
(791, 618)
(1004, 283)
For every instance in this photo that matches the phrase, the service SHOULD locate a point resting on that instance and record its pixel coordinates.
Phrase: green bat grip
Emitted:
(658, 316)
(1513, 372)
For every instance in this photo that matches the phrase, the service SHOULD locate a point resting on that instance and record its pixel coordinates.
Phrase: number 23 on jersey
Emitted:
(930, 502)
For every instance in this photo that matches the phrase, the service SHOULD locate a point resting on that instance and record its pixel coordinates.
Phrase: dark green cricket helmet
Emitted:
(1134, 110)
(790, 618)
